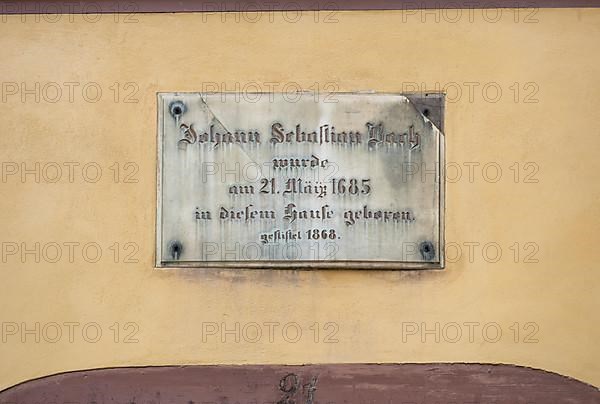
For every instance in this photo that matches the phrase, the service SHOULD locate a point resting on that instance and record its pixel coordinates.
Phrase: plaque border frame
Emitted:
(303, 264)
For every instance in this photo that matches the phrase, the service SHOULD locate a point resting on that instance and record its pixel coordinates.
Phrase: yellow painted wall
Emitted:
(382, 51)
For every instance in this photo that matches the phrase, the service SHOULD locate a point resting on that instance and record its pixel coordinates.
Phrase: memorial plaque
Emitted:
(307, 180)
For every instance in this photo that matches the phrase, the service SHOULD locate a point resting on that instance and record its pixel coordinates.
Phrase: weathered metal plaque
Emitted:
(299, 180)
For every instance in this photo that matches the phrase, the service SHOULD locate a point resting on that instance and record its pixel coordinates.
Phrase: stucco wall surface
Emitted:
(79, 179)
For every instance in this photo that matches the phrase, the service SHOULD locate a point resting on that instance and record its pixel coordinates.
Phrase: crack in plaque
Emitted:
(223, 127)
(415, 102)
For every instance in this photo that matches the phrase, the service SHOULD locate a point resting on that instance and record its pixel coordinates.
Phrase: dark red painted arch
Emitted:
(308, 384)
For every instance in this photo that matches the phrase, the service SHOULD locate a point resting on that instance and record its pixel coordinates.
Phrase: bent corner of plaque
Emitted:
(347, 181)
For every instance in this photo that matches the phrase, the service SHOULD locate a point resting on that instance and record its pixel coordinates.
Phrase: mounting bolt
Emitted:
(175, 249)
(177, 108)
(427, 250)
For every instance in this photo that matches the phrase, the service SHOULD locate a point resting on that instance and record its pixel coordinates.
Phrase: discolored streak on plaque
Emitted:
(308, 384)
